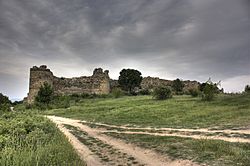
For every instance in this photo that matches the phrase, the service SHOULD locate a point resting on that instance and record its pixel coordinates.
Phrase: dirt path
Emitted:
(108, 150)
(233, 136)
(228, 139)
(206, 130)
(242, 136)
(83, 151)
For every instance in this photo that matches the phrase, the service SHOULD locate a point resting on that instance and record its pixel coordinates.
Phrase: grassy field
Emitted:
(225, 112)
(210, 152)
(180, 112)
(28, 139)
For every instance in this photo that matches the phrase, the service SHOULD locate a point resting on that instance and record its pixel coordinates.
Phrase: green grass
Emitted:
(27, 139)
(180, 112)
(211, 152)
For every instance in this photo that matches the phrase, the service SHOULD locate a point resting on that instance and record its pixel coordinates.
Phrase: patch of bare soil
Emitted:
(82, 150)
(96, 148)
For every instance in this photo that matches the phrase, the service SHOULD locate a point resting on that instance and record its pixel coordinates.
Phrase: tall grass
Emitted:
(27, 139)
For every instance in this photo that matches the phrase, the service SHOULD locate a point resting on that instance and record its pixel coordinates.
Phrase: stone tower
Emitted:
(38, 76)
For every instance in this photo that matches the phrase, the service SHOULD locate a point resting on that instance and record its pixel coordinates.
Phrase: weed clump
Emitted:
(194, 92)
(162, 93)
(144, 92)
(117, 92)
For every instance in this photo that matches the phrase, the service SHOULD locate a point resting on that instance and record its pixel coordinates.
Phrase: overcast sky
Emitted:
(187, 39)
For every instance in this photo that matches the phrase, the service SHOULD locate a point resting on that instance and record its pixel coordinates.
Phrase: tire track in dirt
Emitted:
(229, 135)
(85, 154)
(205, 130)
(143, 156)
(228, 139)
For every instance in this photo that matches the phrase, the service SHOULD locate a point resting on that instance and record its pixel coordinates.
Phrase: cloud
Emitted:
(189, 39)
(236, 84)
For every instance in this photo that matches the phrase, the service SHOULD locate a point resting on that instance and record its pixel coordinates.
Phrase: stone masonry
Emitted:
(153, 82)
(98, 83)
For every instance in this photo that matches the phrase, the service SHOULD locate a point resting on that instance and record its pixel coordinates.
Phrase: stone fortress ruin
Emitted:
(98, 83)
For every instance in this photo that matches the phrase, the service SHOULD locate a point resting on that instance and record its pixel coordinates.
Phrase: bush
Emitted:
(5, 107)
(209, 92)
(162, 93)
(60, 102)
(44, 95)
(4, 99)
(144, 92)
(247, 88)
(194, 92)
(178, 86)
(117, 92)
(5, 103)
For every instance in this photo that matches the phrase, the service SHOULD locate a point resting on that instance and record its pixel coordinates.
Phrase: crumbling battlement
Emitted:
(153, 82)
(98, 83)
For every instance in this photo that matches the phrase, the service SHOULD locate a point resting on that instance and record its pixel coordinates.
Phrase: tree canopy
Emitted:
(5, 103)
(247, 88)
(129, 79)
(45, 94)
(4, 99)
(178, 86)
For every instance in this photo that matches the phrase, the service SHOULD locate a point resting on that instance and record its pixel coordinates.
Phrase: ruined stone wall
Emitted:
(153, 82)
(98, 83)
(190, 85)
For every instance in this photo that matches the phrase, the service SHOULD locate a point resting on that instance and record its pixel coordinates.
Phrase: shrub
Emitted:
(178, 86)
(117, 92)
(4, 107)
(144, 92)
(92, 96)
(162, 93)
(209, 92)
(194, 92)
(45, 94)
(60, 102)
(5, 103)
(84, 95)
(247, 88)
(4, 99)
(217, 90)
(202, 86)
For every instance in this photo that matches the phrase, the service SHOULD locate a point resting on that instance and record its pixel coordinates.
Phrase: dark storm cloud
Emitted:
(191, 39)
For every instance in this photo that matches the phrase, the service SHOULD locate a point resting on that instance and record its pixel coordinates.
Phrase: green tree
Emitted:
(45, 94)
(202, 86)
(178, 86)
(129, 79)
(5, 103)
(247, 88)
(210, 90)
(4, 99)
(162, 93)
